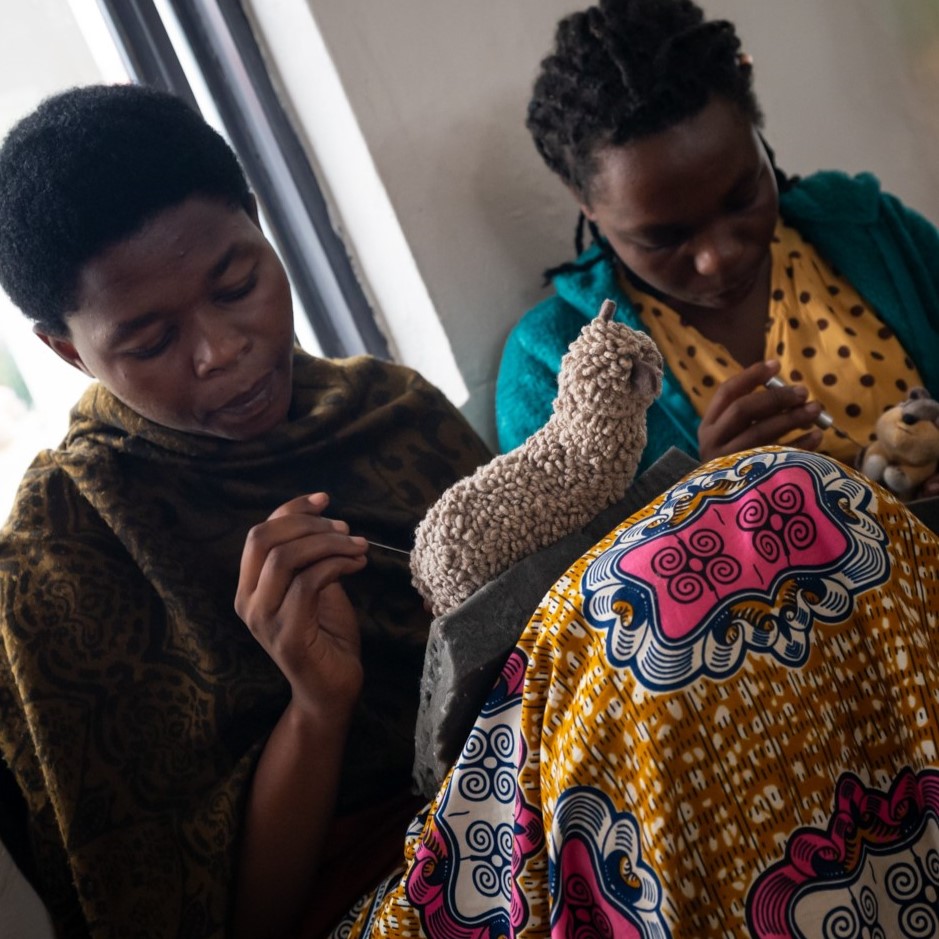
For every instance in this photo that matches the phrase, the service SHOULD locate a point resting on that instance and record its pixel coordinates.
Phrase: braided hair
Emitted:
(626, 69)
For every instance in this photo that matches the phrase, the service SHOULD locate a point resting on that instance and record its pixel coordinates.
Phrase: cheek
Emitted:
(275, 303)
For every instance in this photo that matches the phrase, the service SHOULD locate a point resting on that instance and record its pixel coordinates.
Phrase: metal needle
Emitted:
(387, 547)
(824, 419)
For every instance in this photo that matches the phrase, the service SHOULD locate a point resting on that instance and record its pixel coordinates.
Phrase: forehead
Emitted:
(189, 239)
(700, 159)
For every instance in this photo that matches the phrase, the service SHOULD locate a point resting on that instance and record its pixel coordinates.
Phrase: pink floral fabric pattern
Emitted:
(741, 561)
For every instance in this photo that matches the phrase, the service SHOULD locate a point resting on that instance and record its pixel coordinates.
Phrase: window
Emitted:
(47, 46)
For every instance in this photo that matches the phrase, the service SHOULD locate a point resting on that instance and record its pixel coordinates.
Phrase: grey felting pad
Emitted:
(468, 646)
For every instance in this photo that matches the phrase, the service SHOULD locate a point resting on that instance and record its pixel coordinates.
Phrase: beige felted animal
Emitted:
(906, 451)
(580, 462)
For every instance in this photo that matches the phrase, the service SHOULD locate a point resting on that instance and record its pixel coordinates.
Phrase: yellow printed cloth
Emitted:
(722, 720)
(823, 333)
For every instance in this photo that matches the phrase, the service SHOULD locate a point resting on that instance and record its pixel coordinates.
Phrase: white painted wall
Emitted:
(437, 91)
(849, 84)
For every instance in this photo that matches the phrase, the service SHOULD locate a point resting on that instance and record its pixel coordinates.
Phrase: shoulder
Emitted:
(545, 331)
(357, 384)
(833, 196)
(44, 500)
(372, 396)
(48, 518)
(848, 217)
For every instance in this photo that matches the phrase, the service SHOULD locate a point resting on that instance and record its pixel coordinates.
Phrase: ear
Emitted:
(646, 379)
(65, 349)
(588, 213)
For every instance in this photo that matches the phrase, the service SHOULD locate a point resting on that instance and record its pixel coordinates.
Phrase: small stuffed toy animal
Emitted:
(906, 451)
(580, 462)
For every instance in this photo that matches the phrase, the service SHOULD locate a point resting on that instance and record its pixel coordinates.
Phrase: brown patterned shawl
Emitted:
(134, 701)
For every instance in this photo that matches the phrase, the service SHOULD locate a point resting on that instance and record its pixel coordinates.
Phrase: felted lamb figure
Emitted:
(580, 462)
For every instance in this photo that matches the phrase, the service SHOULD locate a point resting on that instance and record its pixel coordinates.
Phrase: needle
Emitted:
(387, 547)
(824, 419)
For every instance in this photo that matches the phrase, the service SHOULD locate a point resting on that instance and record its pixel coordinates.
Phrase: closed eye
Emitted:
(742, 197)
(153, 350)
(239, 291)
(661, 241)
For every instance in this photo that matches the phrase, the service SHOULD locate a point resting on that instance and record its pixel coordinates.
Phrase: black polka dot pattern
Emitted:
(820, 330)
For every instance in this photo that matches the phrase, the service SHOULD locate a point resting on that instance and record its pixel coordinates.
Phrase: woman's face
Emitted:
(690, 210)
(189, 322)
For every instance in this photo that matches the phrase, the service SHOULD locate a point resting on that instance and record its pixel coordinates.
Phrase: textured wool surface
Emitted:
(467, 647)
(580, 462)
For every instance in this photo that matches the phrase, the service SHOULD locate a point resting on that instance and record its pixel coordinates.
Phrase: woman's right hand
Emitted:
(290, 598)
(744, 413)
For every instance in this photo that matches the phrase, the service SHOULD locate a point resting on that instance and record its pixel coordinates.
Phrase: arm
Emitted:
(289, 596)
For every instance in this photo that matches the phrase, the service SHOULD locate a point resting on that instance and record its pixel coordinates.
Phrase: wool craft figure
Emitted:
(906, 450)
(580, 462)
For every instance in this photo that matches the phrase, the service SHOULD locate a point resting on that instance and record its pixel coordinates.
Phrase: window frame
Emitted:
(232, 66)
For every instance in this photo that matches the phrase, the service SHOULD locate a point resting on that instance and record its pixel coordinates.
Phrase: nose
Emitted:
(717, 250)
(219, 344)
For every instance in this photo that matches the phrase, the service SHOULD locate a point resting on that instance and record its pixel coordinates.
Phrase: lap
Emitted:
(720, 718)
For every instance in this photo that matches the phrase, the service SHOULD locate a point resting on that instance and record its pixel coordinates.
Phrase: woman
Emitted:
(204, 724)
(646, 112)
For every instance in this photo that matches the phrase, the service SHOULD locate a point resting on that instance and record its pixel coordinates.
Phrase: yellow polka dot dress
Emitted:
(819, 328)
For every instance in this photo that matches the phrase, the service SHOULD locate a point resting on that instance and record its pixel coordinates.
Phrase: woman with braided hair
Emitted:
(646, 111)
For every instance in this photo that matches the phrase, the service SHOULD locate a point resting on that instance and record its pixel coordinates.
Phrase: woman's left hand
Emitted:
(930, 488)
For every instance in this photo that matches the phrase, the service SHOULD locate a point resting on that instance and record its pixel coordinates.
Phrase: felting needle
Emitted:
(387, 547)
(824, 419)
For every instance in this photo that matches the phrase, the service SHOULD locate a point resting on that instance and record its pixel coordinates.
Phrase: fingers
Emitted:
(744, 413)
(930, 487)
(753, 377)
(314, 503)
(297, 518)
(317, 558)
(294, 538)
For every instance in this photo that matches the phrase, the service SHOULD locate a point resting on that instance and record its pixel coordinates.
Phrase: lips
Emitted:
(256, 396)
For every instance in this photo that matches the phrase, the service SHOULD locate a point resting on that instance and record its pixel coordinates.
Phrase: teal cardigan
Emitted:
(889, 253)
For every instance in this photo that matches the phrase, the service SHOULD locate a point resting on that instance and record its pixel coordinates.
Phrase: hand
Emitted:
(744, 414)
(290, 598)
(930, 488)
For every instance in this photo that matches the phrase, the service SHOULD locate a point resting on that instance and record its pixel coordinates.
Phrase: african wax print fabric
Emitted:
(135, 702)
(721, 721)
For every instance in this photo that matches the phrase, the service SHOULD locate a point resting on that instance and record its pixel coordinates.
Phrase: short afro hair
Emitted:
(626, 69)
(88, 168)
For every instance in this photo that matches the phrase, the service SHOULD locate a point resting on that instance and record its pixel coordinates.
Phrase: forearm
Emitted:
(290, 807)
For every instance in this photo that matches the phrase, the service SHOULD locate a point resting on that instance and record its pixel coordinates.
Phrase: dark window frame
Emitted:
(232, 65)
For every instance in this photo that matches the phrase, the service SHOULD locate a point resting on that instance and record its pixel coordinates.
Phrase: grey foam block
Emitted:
(468, 646)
